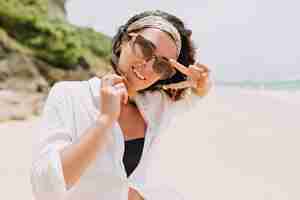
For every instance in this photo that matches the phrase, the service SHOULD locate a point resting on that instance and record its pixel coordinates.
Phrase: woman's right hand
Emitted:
(113, 93)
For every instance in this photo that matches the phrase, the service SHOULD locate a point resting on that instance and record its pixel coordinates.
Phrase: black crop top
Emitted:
(132, 154)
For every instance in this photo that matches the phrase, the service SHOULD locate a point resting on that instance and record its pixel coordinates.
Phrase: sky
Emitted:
(238, 40)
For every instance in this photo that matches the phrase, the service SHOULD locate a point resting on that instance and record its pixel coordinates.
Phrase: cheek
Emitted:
(123, 60)
(126, 60)
(152, 77)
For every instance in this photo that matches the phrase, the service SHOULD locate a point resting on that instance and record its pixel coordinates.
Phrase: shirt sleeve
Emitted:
(156, 185)
(172, 109)
(46, 175)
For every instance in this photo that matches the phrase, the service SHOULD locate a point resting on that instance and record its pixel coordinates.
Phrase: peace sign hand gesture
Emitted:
(198, 78)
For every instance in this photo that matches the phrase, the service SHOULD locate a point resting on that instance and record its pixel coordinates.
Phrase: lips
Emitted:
(137, 73)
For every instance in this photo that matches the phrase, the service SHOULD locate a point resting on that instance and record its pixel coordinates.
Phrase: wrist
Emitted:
(105, 121)
(202, 90)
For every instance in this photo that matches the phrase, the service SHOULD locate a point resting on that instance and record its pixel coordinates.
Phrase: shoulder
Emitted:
(181, 106)
(62, 89)
(68, 91)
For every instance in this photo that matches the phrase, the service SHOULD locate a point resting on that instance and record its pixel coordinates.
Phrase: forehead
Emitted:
(165, 46)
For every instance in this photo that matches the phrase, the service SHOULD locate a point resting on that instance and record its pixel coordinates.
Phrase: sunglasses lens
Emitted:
(163, 67)
(145, 47)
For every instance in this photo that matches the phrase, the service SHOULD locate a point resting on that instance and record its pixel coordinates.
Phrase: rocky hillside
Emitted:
(38, 47)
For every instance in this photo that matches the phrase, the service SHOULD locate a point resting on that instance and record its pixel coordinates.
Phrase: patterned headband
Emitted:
(159, 23)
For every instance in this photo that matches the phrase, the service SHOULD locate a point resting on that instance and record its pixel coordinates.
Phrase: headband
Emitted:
(159, 23)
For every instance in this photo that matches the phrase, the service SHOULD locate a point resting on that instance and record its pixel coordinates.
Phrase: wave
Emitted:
(287, 85)
(287, 91)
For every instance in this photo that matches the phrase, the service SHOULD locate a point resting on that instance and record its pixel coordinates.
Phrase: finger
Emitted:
(111, 80)
(180, 67)
(196, 72)
(204, 83)
(199, 70)
(180, 85)
(122, 91)
(203, 67)
(120, 87)
(196, 68)
(205, 74)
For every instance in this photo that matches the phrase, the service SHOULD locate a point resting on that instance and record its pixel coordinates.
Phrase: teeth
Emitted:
(136, 72)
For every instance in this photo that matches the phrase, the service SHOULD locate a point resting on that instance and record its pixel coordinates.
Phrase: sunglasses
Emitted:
(144, 49)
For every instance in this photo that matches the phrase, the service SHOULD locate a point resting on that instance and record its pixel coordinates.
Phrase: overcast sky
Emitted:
(250, 39)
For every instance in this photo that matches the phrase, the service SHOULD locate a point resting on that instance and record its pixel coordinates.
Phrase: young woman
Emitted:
(97, 136)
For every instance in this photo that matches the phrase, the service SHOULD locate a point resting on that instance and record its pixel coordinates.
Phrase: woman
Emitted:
(97, 136)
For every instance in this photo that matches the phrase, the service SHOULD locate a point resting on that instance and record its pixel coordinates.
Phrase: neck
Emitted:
(128, 108)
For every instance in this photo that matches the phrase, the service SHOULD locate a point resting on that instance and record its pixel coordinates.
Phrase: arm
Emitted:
(77, 157)
(58, 162)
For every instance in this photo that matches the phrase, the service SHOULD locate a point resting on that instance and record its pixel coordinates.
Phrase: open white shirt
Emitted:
(71, 108)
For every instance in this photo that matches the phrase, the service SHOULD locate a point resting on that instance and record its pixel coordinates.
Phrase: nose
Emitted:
(144, 64)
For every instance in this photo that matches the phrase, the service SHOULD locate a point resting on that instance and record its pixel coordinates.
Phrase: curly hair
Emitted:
(186, 56)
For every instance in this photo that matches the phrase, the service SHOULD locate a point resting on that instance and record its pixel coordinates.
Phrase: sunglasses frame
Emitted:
(167, 71)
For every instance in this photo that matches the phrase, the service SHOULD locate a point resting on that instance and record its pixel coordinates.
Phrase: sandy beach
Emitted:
(236, 146)
(16, 150)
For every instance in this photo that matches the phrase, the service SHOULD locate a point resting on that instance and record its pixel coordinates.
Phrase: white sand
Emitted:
(235, 147)
(238, 146)
(15, 154)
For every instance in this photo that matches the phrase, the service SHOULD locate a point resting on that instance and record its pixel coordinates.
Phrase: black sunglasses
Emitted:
(144, 49)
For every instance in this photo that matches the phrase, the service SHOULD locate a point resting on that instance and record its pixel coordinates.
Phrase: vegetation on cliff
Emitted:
(38, 47)
(52, 39)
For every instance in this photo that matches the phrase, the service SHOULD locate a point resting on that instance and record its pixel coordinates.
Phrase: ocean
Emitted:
(280, 85)
(287, 91)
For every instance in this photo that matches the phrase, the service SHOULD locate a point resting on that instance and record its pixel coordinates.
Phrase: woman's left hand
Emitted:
(198, 78)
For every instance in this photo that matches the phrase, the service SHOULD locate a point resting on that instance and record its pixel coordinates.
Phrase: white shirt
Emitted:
(71, 108)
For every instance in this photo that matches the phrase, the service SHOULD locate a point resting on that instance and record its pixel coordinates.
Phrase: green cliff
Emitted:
(38, 47)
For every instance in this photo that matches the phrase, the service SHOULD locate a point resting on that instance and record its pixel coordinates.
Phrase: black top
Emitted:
(132, 154)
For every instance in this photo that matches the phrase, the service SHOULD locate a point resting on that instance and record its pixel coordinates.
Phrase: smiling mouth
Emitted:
(137, 73)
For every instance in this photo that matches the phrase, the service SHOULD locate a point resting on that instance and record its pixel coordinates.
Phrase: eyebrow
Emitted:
(149, 41)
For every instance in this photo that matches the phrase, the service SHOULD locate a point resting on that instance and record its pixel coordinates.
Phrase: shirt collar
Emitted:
(95, 84)
(149, 104)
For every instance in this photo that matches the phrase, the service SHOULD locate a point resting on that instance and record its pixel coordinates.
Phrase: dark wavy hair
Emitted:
(186, 56)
